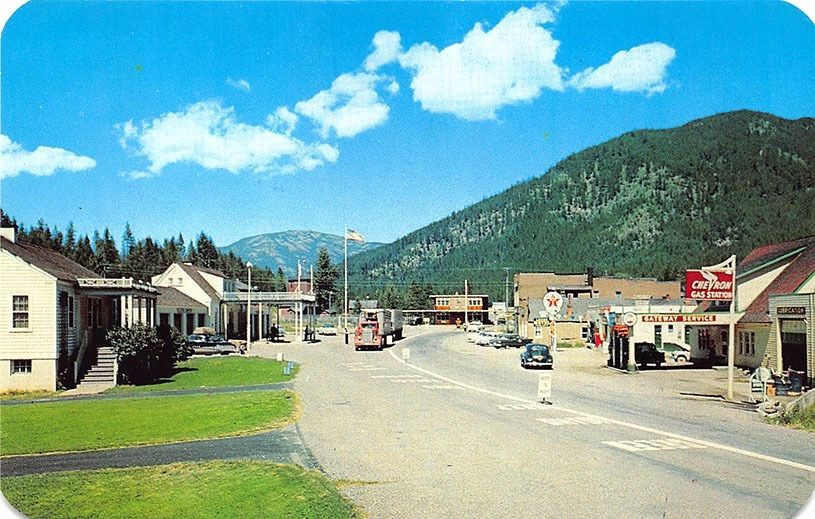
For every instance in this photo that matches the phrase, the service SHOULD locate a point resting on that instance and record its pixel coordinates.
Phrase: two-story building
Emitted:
(456, 308)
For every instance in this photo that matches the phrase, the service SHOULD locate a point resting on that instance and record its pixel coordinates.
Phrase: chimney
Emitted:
(590, 276)
(9, 233)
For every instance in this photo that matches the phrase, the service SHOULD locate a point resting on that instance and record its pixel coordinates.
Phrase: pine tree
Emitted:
(325, 278)
(70, 242)
(282, 284)
(127, 241)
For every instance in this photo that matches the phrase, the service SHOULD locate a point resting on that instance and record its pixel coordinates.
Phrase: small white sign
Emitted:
(280, 356)
(405, 353)
(545, 386)
(629, 318)
(552, 303)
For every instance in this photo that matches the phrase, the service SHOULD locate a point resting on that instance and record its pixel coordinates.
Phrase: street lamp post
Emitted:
(249, 305)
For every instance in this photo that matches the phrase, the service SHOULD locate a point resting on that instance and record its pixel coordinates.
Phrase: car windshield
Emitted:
(368, 325)
(537, 349)
(217, 338)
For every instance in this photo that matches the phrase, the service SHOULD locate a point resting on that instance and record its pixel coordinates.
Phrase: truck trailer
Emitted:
(375, 326)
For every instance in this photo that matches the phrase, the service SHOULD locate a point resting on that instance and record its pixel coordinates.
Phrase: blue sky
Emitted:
(242, 118)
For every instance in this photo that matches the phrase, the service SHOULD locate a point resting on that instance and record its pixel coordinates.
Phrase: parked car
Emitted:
(475, 326)
(536, 355)
(647, 353)
(676, 352)
(414, 320)
(327, 329)
(210, 344)
(509, 340)
(473, 336)
(484, 338)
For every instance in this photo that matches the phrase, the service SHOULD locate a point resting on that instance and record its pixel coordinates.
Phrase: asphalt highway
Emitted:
(457, 431)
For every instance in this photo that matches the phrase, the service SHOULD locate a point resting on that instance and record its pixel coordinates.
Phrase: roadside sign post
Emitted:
(629, 320)
(553, 302)
(545, 388)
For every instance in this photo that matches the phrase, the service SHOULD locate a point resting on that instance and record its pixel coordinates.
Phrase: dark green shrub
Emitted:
(145, 353)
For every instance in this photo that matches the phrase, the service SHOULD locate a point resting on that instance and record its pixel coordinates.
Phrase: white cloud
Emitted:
(208, 134)
(387, 48)
(640, 69)
(282, 120)
(505, 65)
(349, 107)
(43, 161)
(240, 84)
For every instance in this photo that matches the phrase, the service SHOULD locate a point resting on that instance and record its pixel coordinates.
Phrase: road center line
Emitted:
(735, 450)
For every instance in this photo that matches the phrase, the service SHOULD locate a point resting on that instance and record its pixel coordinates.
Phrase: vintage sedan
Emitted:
(536, 355)
(210, 344)
(327, 329)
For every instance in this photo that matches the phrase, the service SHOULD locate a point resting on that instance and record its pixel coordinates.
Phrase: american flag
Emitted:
(354, 236)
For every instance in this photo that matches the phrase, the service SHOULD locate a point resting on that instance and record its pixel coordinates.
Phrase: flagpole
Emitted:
(345, 285)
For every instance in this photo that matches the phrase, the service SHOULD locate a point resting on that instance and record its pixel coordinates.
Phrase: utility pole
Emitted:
(506, 298)
(466, 304)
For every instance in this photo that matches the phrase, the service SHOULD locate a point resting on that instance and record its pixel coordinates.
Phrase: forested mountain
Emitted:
(647, 203)
(283, 249)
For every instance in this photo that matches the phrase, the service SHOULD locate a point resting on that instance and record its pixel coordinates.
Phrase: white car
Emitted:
(475, 326)
(473, 336)
(327, 329)
(484, 338)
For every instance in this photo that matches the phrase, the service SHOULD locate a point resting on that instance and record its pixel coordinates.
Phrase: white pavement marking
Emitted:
(577, 420)
(396, 376)
(411, 380)
(735, 450)
(441, 386)
(654, 445)
(523, 407)
(367, 368)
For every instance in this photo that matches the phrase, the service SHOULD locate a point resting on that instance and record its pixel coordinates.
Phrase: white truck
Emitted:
(375, 326)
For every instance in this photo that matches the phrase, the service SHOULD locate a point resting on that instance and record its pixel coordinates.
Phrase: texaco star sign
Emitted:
(553, 302)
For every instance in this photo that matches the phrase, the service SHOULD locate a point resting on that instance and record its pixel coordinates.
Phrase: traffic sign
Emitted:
(629, 318)
(545, 386)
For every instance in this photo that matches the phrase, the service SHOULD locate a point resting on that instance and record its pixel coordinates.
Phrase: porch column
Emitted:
(779, 360)
(123, 311)
(225, 321)
(130, 310)
(260, 321)
(143, 309)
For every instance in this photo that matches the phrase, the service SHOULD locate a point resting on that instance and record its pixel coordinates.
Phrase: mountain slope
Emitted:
(647, 203)
(283, 249)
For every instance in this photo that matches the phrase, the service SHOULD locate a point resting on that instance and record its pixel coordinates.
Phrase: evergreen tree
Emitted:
(282, 284)
(84, 253)
(70, 242)
(127, 241)
(325, 278)
(207, 251)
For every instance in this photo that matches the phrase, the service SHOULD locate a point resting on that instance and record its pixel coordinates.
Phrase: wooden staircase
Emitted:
(102, 374)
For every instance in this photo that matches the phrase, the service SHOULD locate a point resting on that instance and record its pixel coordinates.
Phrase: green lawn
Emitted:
(93, 424)
(217, 372)
(242, 490)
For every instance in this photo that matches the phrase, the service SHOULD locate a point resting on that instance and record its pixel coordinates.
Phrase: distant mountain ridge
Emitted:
(647, 203)
(283, 249)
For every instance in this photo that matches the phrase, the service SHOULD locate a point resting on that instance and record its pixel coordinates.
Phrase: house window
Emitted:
(70, 311)
(618, 294)
(584, 333)
(538, 331)
(19, 317)
(20, 366)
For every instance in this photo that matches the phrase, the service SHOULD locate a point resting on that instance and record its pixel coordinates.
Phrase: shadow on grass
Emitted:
(159, 381)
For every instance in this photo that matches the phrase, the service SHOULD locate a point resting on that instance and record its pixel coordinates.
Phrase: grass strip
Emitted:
(95, 424)
(803, 419)
(218, 371)
(234, 489)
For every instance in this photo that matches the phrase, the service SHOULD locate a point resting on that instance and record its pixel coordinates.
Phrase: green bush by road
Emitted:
(94, 424)
(240, 490)
(216, 372)
(804, 419)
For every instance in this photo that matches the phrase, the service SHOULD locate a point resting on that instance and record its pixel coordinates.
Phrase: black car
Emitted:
(509, 340)
(647, 353)
(536, 355)
(210, 344)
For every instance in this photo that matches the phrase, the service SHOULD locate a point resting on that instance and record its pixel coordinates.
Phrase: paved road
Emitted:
(281, 445)
(457, 432)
